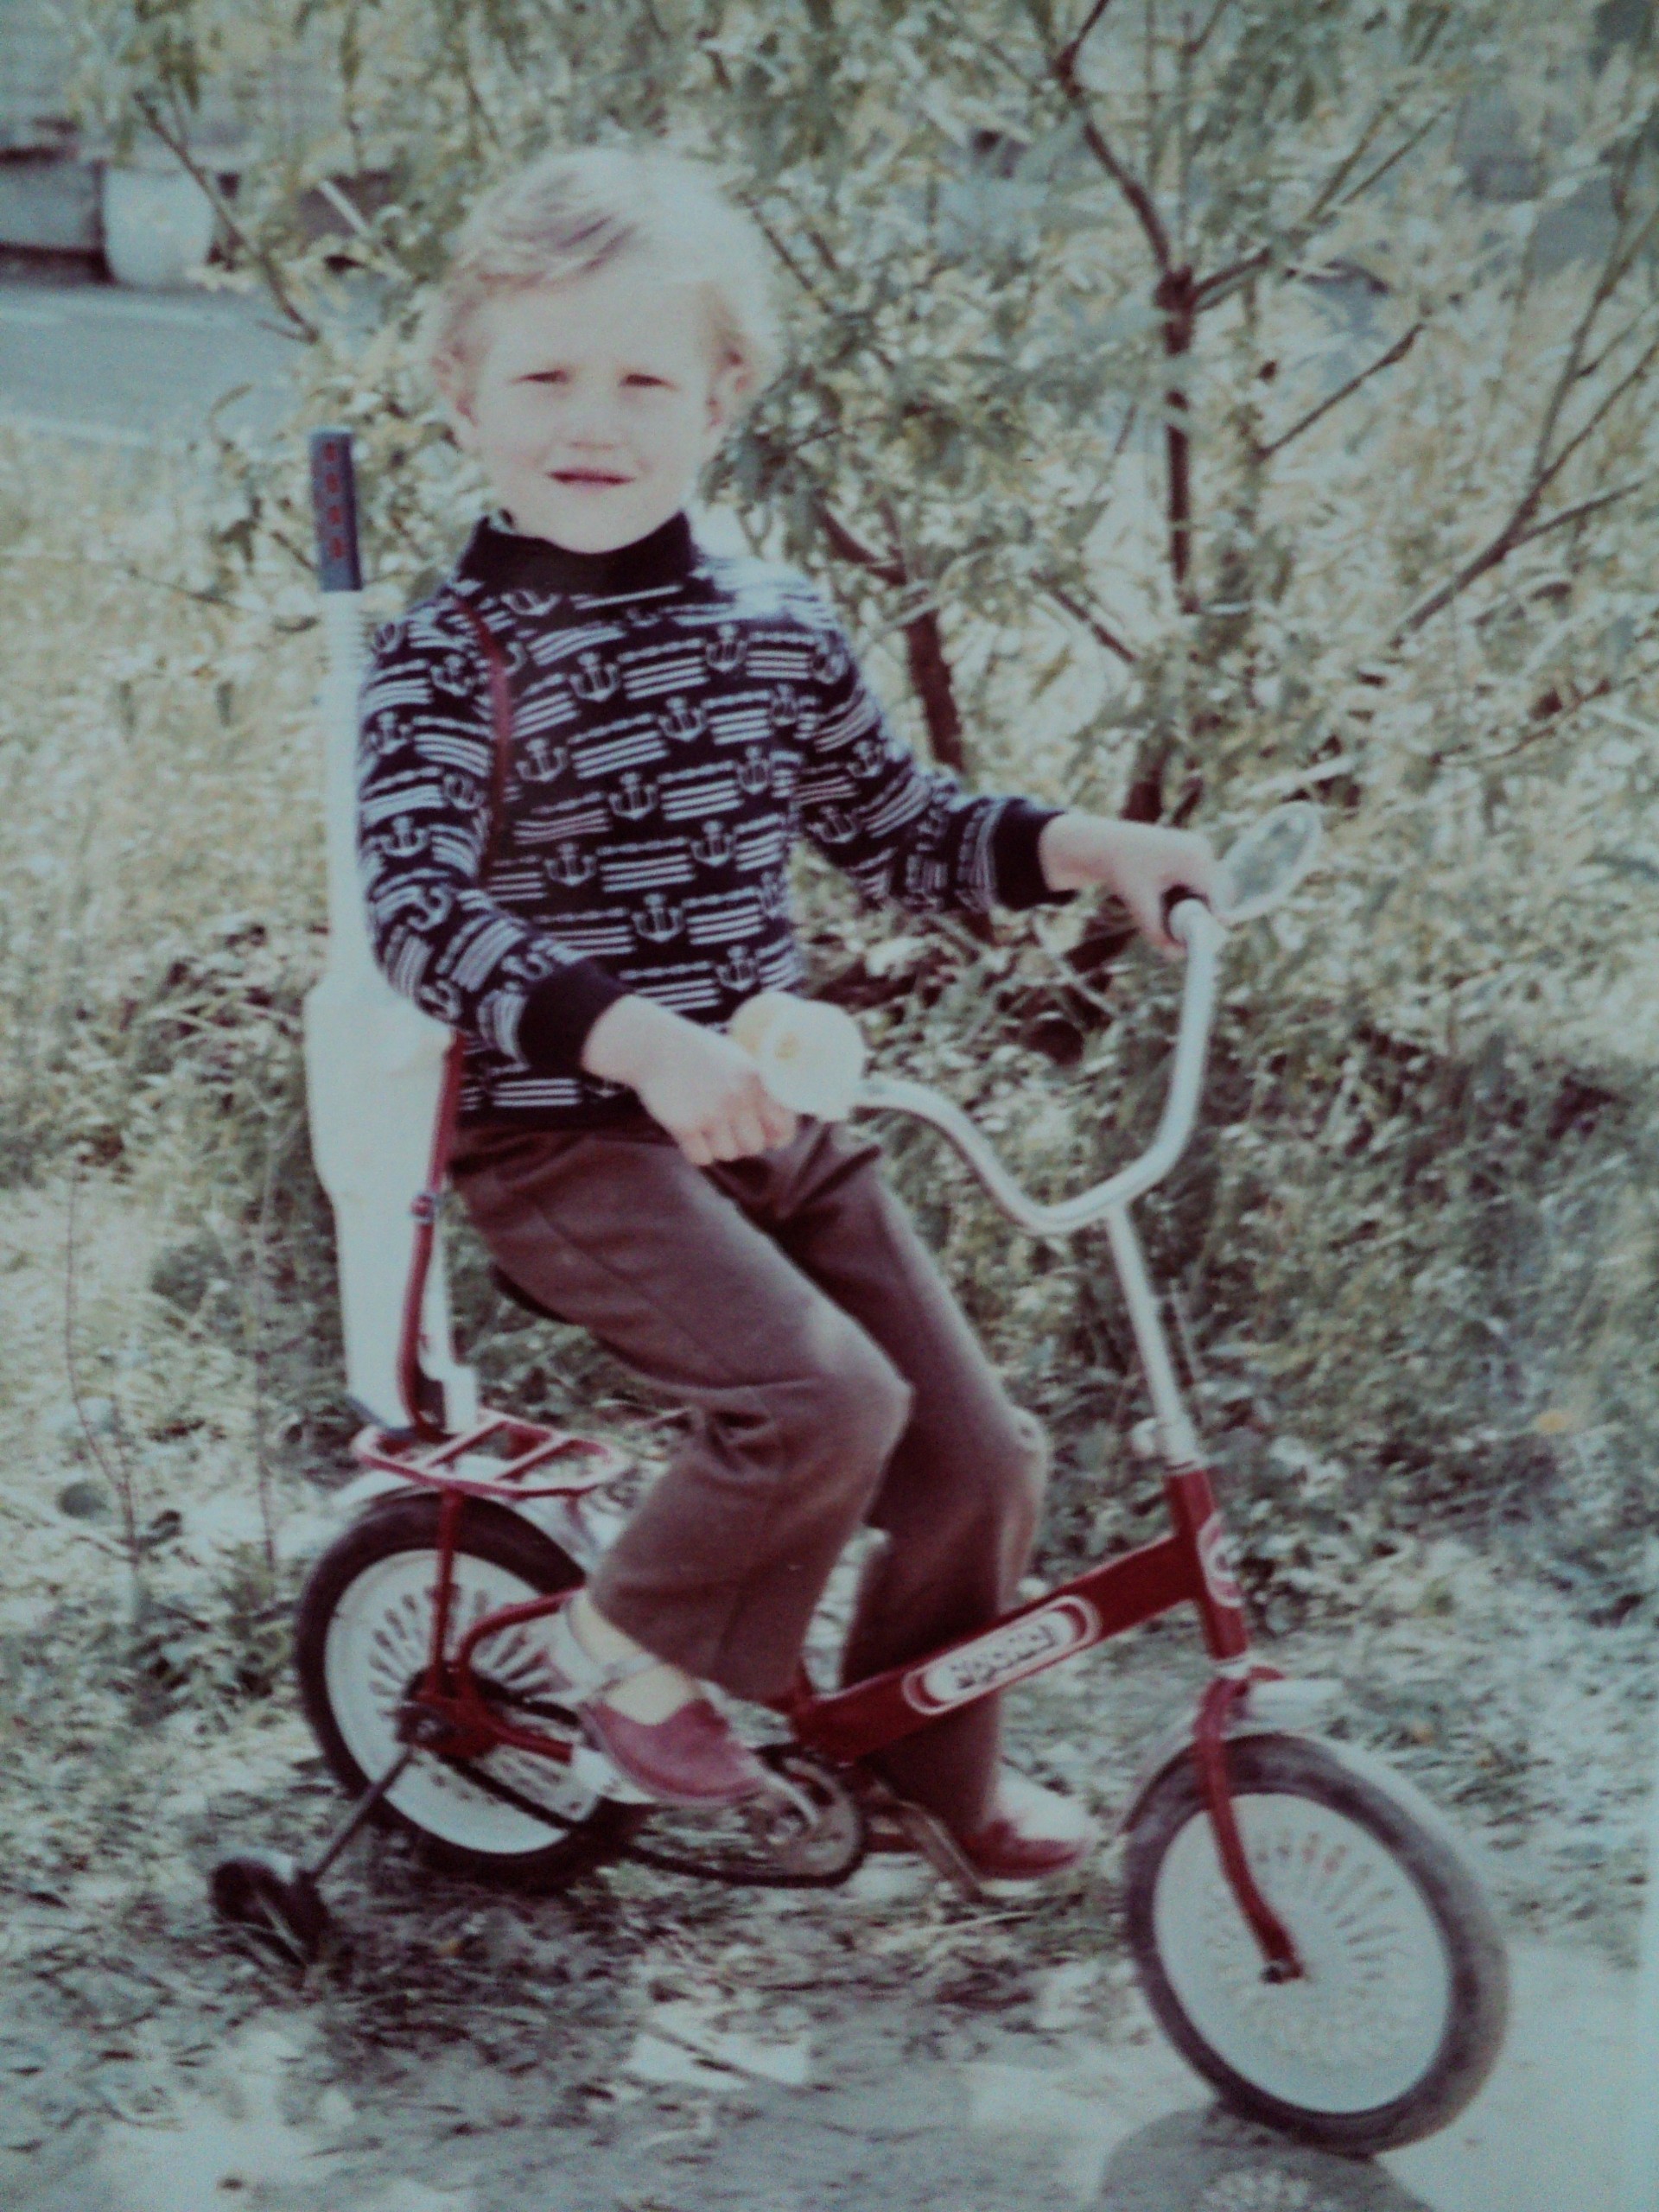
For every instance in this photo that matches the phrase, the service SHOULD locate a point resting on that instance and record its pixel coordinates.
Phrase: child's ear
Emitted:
(727, 389)
(454, 391)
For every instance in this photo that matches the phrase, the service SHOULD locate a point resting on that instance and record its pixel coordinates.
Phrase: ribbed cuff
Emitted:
(1015, 866)
(560, 1011)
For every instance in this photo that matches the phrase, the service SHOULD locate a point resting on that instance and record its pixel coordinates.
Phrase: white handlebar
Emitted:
(1197, 928)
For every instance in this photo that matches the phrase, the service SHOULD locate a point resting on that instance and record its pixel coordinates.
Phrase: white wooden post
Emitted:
(372, 1060)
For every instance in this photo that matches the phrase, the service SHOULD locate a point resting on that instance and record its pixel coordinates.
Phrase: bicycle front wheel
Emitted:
(1399, 2015)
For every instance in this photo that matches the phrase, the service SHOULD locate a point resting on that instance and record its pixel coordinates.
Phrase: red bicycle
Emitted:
(1305, 1925)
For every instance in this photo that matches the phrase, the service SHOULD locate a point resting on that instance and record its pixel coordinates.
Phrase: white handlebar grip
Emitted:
(811, 1055)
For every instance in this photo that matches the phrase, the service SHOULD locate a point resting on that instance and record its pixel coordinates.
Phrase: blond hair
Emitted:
(571, 213)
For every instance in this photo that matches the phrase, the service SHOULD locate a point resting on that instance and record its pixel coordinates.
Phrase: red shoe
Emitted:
(690, 1759)
(1033, 1834)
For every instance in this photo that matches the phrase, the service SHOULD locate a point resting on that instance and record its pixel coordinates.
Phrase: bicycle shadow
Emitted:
(1207, 2160)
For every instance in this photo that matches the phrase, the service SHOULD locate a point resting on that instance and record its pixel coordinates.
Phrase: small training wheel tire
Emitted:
(267, 1893)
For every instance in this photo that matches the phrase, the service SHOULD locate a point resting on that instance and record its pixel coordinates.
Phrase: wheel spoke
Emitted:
(1365, 2021)
(378, 1645)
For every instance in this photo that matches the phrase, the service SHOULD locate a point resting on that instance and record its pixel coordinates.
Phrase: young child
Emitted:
(678, 719)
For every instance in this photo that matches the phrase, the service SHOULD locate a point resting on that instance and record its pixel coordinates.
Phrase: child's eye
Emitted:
(640, 377)
(548, 375)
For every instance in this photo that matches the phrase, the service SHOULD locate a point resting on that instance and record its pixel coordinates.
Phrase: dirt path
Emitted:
(879, 2051)
(641, 2045)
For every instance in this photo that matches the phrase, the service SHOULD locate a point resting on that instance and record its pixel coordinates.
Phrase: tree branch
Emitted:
(1514, 535)
(1091, 621)
(1598, 415)
(1212, 288)
(1175, 299)
(846, 546)
(931, 679)
(178, 145)
(1201, 39)
(342, 205)
(1407, 144)
(779, 246)
(1062, 66)
(1619, 338)
(1397, 352)
(1350, 160)
(1523, 524)
(1614, 269)
(925, 654)
(457, 43)
(1576, 513)
(1074, 45)
(826, 306)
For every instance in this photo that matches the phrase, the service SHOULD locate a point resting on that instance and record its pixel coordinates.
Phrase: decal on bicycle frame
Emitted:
(1003, 1655)
(1216, 1563)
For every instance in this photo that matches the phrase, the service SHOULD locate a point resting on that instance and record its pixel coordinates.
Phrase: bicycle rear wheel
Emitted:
(361, 1639)
(1400, 2015)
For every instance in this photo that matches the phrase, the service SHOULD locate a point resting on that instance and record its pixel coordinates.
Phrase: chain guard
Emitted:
(811, 1834)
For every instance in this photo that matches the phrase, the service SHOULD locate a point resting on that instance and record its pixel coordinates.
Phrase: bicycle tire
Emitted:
(1401, 2016)
(364, 1621)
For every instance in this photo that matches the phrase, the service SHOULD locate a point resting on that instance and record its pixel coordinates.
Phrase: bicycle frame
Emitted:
(1189, 1565)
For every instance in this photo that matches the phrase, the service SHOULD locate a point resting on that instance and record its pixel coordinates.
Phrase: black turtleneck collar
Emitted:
(507, 560)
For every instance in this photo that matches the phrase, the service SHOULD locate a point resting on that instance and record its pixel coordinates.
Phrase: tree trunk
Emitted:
(924, 656)
(930, 676)
(1176, 299)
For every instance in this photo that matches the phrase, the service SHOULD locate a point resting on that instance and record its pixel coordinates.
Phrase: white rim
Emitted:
(378, 1638)
(1363, 2026)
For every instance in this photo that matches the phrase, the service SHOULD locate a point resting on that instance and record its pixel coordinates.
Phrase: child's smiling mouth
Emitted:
(590, 478)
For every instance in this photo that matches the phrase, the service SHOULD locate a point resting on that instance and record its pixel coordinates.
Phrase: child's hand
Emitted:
(706, 1092)
(1137, 860)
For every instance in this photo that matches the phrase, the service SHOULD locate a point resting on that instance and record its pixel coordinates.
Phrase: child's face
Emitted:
(594, 403)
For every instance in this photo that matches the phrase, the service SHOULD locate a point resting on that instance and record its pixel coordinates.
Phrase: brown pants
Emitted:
(788, 1299)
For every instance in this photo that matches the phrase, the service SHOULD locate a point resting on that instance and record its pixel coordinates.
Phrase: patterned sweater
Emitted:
(679, 718)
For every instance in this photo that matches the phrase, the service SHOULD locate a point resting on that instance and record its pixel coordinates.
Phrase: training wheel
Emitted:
(265, 1891)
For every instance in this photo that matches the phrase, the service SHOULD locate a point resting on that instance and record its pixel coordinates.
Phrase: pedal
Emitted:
(932, 1841)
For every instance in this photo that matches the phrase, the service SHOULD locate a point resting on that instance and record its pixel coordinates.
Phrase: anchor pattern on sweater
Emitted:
(671, 741)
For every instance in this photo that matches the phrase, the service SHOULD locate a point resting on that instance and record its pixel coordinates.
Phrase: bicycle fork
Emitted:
(1221, 1605)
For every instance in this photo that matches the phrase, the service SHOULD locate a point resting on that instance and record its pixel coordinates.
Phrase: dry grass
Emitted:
(158, 768)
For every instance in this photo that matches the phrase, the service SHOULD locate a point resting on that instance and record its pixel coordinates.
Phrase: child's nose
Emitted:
(590, 418)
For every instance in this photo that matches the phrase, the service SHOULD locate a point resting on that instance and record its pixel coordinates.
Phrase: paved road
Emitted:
(126, 368)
